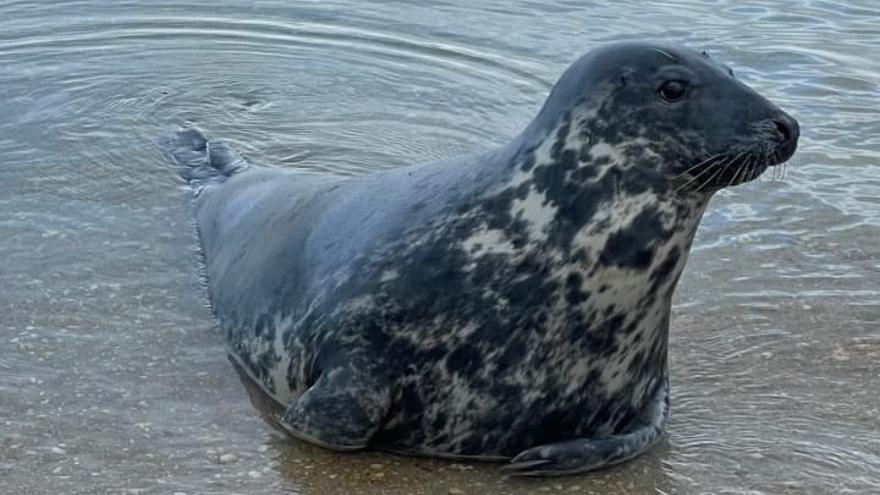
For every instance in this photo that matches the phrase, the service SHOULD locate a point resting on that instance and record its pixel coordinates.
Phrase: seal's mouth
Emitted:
(772, 143)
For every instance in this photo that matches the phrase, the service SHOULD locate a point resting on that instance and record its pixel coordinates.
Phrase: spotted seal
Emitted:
(511, 305)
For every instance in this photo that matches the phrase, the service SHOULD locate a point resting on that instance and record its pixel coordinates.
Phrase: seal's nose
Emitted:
(789, 131)
(788, 127)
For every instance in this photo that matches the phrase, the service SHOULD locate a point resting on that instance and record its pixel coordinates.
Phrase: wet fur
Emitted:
(509, 304)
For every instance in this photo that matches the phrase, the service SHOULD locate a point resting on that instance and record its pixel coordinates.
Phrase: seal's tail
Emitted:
(201, 161)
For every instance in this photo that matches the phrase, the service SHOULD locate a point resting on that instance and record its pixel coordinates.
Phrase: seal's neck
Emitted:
(594, 223)
(572, 189)
(608, 230)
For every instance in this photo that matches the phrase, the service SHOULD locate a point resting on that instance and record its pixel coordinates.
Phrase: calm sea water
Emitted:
(112, 379)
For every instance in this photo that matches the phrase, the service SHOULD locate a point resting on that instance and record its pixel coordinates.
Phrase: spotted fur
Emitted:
(513, 304)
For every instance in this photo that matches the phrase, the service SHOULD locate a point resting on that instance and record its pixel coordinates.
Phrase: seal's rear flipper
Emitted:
(339, 412)
(201, 161)
(582, 455)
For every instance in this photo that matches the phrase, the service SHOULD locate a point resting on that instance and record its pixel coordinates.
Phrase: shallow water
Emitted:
(112, 379)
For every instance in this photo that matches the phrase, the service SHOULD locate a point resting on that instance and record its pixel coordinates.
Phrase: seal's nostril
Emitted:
(788, 128)
(788, 133)
(784, 130)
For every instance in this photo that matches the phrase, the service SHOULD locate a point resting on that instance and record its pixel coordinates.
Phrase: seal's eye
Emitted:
(673, 90)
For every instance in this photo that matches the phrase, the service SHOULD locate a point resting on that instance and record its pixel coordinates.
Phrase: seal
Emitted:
(509, 305)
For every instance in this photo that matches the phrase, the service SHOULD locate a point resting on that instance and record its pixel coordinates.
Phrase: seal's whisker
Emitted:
(782, 168)
(771, 158)
(754, 169)
(707, 160)
(735, 161)
(743, 175)
(757, 168)
(696, 177)
(734, 179)
(768, 159)
(708, 168)
(722, 166)
(747, 169)
(747, 176)
(710, 179)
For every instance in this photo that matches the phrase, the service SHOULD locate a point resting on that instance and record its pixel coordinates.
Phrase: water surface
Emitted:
(113, 380)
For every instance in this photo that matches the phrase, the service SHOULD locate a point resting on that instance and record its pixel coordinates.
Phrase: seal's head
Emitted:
(645, 100)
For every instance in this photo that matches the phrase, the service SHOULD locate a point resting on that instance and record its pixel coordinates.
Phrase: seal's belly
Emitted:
(453, 415)
(478, 408)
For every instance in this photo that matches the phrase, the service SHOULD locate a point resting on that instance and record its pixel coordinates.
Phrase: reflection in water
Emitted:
(112, 379)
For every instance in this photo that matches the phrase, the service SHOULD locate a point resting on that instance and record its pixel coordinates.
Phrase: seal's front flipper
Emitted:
(201, 160)
(582, 455)
(341, 411)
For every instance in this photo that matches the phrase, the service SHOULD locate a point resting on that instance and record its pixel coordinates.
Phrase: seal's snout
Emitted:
(788, 131)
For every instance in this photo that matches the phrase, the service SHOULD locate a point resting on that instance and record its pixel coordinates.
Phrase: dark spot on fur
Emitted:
(583, 174)
(573, 292)
(262, 325)
(611, 308)
(661, 274)
(528, 162)
(633, 247)
(602, 340)
(637, 363)
(561, 136)
(614, 323)
(464, 360)
(440, 421)
(580, 257)
(513, 354)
